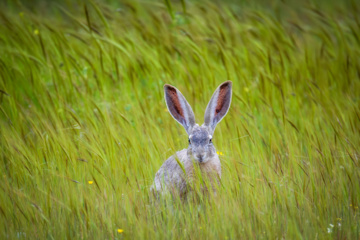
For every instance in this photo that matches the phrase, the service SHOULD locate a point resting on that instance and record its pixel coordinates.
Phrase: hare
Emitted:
(178, 172)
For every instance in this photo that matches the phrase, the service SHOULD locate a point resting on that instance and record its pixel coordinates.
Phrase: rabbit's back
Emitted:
(175, 178)
(171, 176)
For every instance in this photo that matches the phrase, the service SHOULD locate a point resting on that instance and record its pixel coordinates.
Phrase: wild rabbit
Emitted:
(178, 171)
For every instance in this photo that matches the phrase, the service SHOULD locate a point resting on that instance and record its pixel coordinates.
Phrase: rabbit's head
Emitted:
(200, 147)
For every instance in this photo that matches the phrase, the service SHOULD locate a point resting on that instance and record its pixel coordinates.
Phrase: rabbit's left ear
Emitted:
(218, 105)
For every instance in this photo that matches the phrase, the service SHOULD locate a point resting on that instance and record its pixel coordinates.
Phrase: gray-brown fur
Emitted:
(178, 172)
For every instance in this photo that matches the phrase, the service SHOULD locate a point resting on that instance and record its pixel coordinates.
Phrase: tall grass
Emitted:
(84, 126)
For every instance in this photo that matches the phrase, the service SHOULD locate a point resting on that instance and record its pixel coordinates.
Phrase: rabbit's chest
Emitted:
(211, 168)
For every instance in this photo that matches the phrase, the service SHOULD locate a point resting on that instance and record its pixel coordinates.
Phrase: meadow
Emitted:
(84, 125)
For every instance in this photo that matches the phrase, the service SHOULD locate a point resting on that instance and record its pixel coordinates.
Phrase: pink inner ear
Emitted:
(222, 99)
(175, 106)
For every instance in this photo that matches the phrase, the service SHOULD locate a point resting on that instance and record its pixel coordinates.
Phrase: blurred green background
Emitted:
(84, 126)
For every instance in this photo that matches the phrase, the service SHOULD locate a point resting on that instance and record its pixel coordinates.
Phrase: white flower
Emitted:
(331, 225)
(329, 230)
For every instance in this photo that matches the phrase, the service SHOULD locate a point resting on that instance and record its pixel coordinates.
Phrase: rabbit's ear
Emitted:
(179, 108)
(218, 106)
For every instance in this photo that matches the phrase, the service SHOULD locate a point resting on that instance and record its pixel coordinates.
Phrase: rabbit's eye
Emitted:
(189, 141)
(210, 141)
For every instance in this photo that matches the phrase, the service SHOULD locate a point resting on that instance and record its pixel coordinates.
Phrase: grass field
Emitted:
(84, 125)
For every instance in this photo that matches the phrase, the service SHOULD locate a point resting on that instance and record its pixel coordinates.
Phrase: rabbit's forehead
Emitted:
(200, 134)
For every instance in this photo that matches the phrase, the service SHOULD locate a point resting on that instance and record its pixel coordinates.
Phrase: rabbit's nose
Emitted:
(200, 158)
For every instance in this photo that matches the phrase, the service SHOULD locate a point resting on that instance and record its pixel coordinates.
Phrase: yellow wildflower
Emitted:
(246, 89)
(90, 182)
(36, 32)
(120, 230)
(219, 153)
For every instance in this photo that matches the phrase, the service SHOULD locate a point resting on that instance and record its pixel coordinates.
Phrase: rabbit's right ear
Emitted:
(179, 108)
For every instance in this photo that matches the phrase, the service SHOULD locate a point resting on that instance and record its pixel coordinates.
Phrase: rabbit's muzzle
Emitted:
(200, 158)
(201, 154)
